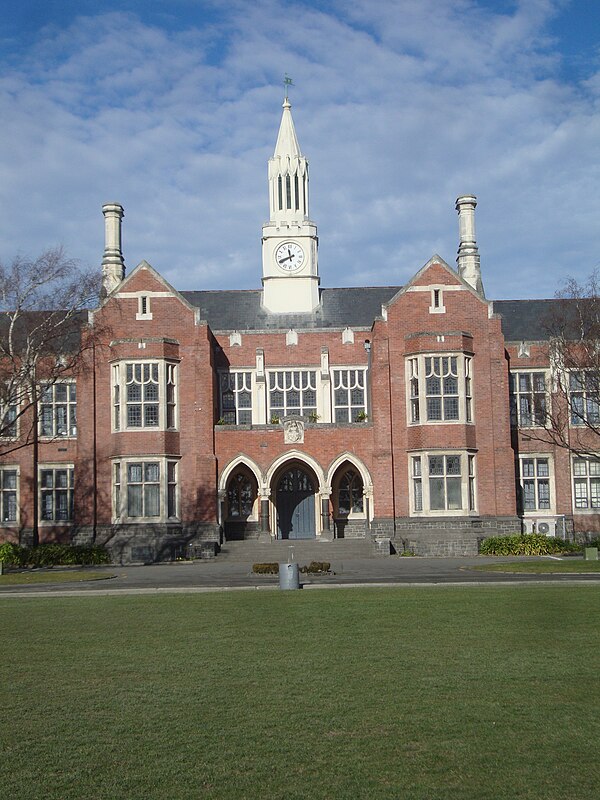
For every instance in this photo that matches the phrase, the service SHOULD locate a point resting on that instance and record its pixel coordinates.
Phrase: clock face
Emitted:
(289, 256)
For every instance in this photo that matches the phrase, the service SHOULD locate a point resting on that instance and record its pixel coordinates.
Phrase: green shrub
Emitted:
(11, 554)
(270, 568)
(593, 543)
(527, 544)
(53, 555)
(316, 568)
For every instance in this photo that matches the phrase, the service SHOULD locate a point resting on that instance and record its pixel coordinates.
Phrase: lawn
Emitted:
(27, 578)
(542, 567)
(477, 693)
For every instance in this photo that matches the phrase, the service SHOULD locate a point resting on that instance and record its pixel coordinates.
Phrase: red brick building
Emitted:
(294, 411)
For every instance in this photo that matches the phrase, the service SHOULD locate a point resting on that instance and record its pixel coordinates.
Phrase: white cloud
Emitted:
(400, 106)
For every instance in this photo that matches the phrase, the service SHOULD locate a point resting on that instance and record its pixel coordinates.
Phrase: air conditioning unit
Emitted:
(546, 526)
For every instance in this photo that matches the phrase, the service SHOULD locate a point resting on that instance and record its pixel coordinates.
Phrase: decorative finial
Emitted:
(287, 82)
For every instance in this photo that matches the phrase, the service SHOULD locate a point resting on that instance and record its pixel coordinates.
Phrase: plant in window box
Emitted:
(362, 416)
(275, 419)
(314, 417)
(221, 421)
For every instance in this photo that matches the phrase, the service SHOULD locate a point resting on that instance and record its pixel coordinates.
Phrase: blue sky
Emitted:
(172, 109)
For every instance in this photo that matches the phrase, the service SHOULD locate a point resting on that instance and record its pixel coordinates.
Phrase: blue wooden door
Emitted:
(295, 506)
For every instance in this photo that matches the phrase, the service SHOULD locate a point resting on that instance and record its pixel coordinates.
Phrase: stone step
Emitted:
(305, 551)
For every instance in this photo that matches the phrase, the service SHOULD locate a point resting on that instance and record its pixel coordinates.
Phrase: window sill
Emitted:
(441, 514)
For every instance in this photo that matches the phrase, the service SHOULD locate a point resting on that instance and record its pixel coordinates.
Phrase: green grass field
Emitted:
(542, 567)
(28, 578)
(452, 692)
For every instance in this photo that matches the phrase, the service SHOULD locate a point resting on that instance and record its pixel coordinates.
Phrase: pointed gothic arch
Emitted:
(296, 482)
(239, 488)
(351, 490)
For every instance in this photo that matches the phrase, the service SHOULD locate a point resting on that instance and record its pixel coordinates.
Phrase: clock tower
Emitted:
(289, 239)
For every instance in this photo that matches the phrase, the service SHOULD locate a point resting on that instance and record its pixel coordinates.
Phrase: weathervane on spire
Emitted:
(287, 82)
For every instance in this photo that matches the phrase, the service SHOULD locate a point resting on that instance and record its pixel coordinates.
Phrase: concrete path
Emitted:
(221, 575)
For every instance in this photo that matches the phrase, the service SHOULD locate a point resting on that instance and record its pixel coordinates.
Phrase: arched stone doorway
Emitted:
(295, 508)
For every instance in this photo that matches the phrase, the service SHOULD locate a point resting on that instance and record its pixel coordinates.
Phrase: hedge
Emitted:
(526, 544)
(52, 555)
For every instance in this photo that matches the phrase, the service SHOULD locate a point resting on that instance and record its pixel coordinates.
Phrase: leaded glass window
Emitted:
(236, 398)
(292, 393)
(349, 394)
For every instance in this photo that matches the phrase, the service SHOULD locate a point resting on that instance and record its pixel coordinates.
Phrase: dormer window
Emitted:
(143, 307)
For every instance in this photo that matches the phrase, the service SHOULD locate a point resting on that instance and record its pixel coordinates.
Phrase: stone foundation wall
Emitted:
(442, 536)
(135, 544)
(350, 528)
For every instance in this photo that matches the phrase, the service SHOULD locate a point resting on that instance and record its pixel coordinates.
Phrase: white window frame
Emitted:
(240, 383)
(536, 477)
(585, 472)
(519, 417)
(298, 382)
(7, 491)
(144, 308)
(6, 409)
(348, 380)
(417, 395)
(168, 489)
(54, 404)
(589, 414)
(420, 478)
(45, 490)
(167, 402)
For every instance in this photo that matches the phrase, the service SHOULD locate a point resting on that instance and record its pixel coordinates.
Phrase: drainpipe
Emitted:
(391, 410)
(94, 449)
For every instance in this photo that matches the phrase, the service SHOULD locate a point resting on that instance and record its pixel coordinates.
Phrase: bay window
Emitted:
(439, 388)
(443, 483)
(145, 489)
(144, 395)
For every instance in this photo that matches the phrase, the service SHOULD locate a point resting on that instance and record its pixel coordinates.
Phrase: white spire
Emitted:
(287, 141)
(468, 253)
(288, 173)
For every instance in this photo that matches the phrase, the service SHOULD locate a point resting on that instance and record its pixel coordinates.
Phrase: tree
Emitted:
(42, 340)
(572, 418)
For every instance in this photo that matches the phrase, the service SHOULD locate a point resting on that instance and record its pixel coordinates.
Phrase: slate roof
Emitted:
(241, 310)
(355, 307)
(529, 320)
